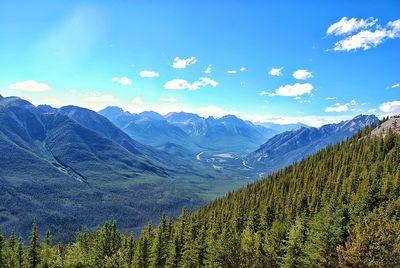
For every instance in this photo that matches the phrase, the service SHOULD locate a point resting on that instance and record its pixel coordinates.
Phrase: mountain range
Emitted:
(291, 146)
(71, 166)
(190, 131)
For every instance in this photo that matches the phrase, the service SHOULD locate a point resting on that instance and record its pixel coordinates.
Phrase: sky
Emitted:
(265, 61)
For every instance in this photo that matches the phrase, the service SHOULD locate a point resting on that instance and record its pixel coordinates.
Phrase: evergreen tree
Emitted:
(248, 248)
(325, 233)
(2, 249)
(19, 254)
(142, 253)
(34, 247)
(12, 250)
(159, 249)
(46, 251)
(295, 245)
(373, 243)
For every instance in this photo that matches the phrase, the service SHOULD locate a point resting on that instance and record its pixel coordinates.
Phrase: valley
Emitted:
(80, 156)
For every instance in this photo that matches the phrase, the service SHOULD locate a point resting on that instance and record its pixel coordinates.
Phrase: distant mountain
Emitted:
(279, 128)
(102, 125)
(152, 115)
(149, 128)
(191, 131)
(291, 146)
(228, 133)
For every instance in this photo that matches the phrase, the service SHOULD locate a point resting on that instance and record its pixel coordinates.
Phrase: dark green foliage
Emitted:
(2, 250)
(34, 247)
(339, 207)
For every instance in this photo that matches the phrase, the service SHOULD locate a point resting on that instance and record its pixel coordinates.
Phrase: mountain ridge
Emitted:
(292, 146)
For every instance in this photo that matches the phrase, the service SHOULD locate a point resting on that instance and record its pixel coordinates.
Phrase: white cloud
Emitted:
(137, 101)
(182, 84)
(101, 98)
(30, 85)
(214, 111)
(330, 98)
(297, 98)
(293, 90)
(177, 84)
(148, 74)
(263, 93)
(168, 99)
(302, 74)
(396, 85)
(369, 38)
(183, 63)
(365, 39)
(122, 80)
(338, 107)
(275, 71)
(390, 107)
(242, 69)
(207, 81)
(208, 69)
(348, 26)
(371, 111)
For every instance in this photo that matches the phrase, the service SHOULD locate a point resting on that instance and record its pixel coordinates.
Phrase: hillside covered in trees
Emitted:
(338, 207)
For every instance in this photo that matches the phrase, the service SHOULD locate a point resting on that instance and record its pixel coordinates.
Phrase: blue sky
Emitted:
(153, 55)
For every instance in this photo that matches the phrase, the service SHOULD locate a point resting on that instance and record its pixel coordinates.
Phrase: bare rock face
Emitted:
(392, 124)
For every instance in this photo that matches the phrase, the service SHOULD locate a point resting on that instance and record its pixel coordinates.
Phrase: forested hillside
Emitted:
(339, 207)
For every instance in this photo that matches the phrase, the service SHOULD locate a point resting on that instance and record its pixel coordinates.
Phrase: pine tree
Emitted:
(159, 249)
(2, 249)
(248, 248)
(46, 251)
(212, 252)
(295, 245)
(374, 242)
(127, 250)
(142, 253)
(11, 250)
(325, 233)
(176, 243)
(19, 254)
(34, 247)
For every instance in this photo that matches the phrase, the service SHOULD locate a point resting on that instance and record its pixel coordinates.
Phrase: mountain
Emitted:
(103, 126)
(390, 124)
(279, 128)
(71, 167)
(149, 128)
(190, 131)
(152, 115)
(337, 208)
(228, 133)
(291, 146)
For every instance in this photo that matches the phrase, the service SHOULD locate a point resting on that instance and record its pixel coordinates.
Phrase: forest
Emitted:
(337, 208)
